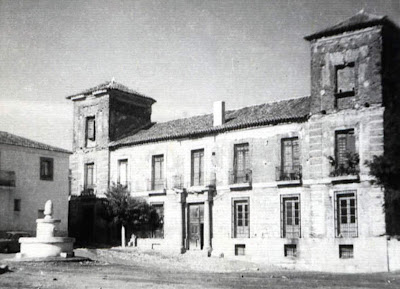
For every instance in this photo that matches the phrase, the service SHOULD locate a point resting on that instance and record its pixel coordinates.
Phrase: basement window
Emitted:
(290, 250)
(240, 249)
(346, 251)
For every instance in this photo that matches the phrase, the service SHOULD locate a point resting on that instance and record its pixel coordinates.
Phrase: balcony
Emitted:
(240, 179)
(156, 186)
(288, 175)
(346, 172)
(7, 178)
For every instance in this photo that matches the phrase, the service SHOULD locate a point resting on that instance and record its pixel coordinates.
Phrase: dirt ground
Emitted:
(117, 268)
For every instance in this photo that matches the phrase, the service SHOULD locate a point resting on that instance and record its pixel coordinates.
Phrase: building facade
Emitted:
(282, 183)
(30, 174)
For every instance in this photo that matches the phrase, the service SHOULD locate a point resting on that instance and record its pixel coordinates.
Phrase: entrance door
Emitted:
(196, 226)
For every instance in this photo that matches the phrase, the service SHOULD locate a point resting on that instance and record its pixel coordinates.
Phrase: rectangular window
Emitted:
(157, 181)
(290, 163)
(290, 220)
(158, 221)
(46, 169)
(90, 128)
(241, 219)
(345, 79)
(123, 172)
(17, 205)
(346, 214)
(241, 163)
(346, 251)
(345, 147)
(240, 249)
(198, 167)
(40, 214)
(290, 250)
(89, 176)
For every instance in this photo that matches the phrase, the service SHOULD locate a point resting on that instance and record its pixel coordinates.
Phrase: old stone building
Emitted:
(283, 183)
(30, 174)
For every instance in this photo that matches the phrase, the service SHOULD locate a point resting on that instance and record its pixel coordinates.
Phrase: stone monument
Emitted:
(45, 244)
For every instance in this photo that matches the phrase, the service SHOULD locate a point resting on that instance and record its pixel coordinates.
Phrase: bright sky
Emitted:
(185, 54)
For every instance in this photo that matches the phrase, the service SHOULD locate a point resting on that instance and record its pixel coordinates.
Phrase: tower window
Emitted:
(345, 79)
(90, 128)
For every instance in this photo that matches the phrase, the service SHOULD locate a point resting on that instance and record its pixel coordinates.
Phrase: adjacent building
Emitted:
(283, 183)
(30, 174)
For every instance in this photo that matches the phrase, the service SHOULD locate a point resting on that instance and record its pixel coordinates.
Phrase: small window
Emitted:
(346, 251)
(123, 172)
(290, 250)
(90, 128)
(346, 214)
(241, 220)
(240, 250)
(17, 205)
(40, 214)
(46, 169)
(345, 79)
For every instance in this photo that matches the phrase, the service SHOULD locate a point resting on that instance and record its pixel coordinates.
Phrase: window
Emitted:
(241, 219)
(290, 250)
(345, 145)
(90, 128)
(40, 214)
(346, 214)
(89, 177)
(240, 249)
(46, 169)
(123, 172)
(290, 212)
(346, 251)
(290, 163)
(17, 205)
(157, 181)
(158, 224)
(345, 79)
(197, 168)
(241, 170)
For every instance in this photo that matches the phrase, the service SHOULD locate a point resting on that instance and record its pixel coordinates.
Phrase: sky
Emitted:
(185, 54)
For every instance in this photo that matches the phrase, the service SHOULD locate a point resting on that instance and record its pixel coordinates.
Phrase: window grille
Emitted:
(346, 251)
(290, 250)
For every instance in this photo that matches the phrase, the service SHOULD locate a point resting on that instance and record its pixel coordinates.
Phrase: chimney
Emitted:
(219, 113)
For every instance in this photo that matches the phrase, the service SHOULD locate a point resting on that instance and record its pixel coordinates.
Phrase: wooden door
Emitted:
(196, 226)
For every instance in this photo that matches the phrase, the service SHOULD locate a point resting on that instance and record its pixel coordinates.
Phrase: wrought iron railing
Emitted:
(288, 173)
(7, 178)
(240, 176)
(156, 184)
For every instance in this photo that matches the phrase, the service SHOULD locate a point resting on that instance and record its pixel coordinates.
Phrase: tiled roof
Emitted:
(108, 86)
(358, 21)
(12, 139)
(291, 110)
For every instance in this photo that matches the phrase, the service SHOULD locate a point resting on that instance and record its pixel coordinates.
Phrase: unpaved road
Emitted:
(143, 271)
